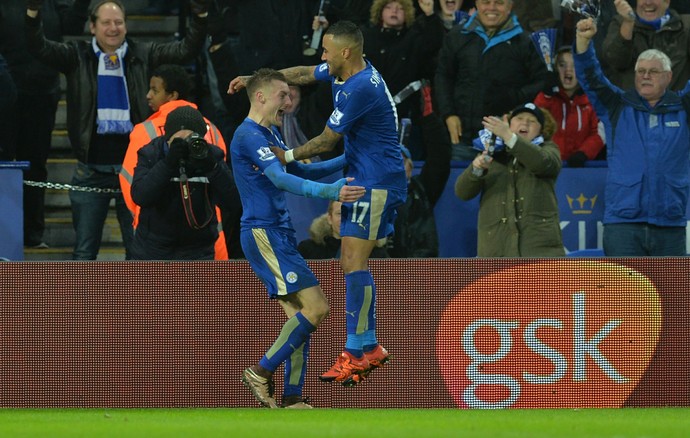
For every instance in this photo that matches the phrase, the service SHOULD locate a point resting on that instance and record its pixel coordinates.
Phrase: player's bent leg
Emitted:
(354, 255)
(295, 372)
(311, 302)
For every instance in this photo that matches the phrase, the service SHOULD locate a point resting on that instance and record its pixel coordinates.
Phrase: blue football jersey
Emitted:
(263, 204)
(364, 113)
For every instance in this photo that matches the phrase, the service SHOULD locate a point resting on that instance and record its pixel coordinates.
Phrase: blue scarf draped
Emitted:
(658, 23)
(112, 100)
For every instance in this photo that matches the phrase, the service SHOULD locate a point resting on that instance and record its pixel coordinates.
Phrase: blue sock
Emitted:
(359, 308)
(369, 341)
(295, 370)
(295, 332)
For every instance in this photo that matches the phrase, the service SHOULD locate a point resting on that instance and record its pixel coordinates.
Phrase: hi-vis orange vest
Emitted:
(141, 135)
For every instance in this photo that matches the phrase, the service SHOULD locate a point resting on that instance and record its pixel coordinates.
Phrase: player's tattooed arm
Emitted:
(324, 142)
(300, 75)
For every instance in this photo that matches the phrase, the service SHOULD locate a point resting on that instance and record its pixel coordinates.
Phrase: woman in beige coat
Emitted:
(518, 211)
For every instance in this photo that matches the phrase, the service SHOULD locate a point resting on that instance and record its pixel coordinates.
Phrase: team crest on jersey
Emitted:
(291, 277)
(335, 117)
(323, 67)
(265, 153)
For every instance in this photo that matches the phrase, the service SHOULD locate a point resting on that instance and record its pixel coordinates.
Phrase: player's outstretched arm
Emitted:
(324, 142)
(319, 169)
(300, 75)
(312, 189)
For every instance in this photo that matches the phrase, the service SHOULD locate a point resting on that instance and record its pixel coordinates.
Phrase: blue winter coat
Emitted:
(648, 149)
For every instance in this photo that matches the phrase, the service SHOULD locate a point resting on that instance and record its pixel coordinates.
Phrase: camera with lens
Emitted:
(198, 147)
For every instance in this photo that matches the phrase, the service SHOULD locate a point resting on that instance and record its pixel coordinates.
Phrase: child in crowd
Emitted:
(516, 178)
(580, 135)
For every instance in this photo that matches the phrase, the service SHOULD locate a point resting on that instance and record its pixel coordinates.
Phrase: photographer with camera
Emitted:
(178, 181)
(170, 87)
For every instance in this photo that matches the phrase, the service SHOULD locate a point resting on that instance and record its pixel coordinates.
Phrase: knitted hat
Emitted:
(185, 117)
(529, 108)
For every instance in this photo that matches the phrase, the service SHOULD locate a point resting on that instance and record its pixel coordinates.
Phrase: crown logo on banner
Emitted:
(581, 204)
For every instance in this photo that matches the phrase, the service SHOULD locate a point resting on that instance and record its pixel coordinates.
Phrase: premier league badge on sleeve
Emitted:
(265, 153)
(335, 117)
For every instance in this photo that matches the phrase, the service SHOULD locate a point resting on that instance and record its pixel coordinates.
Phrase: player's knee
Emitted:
(321, 311)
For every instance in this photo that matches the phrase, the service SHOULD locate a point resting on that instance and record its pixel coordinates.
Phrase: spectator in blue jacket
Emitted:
(648, 140)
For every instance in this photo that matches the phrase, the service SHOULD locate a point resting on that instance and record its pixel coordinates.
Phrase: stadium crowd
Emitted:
(448, 64)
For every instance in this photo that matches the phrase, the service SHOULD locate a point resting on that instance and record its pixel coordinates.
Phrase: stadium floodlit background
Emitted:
(465, 333)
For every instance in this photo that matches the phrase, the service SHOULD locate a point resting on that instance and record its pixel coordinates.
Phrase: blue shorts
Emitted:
(273, 255)
(372, 217)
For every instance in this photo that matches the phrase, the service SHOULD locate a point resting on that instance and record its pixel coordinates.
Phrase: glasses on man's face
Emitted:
(651, 72)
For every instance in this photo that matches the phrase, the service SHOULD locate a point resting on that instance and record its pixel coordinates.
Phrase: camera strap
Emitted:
(186, 194)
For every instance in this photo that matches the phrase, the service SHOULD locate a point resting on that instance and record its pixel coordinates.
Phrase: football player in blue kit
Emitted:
(268, 238)
(364, 114)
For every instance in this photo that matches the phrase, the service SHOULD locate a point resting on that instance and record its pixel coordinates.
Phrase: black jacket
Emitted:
(405, 55)
(415, 227)
(77, 60)
(163, 232)
(475, 78)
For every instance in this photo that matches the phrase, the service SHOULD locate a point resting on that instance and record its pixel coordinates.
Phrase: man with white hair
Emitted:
(648, 145)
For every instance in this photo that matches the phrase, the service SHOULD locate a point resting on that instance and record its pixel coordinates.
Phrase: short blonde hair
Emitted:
(261, 78)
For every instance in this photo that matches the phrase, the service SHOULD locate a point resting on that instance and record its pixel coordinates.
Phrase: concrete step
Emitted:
(55, 199)
(60, 232)
(60, 146)
(61, 116)
(60, 170)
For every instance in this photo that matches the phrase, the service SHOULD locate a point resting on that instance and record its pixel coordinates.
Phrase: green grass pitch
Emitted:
(393, 423)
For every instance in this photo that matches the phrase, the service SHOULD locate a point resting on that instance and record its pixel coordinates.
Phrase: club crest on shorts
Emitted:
(291, 277)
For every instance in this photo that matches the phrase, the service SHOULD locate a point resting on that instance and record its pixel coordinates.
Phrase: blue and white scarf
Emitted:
(485, 137)
(658, 23)
(112, 101)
